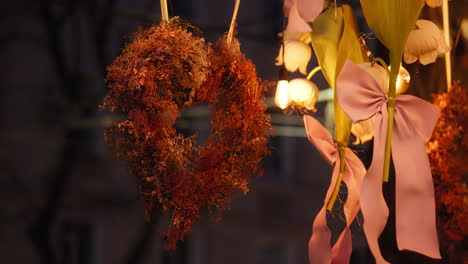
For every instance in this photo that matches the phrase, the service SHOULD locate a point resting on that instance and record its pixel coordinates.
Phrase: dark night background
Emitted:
(64, 198)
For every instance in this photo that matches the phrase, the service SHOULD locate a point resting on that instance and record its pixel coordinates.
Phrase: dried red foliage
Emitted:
(448, 154)
(163, 70)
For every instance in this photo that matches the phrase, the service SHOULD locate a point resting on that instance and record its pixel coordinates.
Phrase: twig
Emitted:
(233, 21)
(448, 63)
(164, 12)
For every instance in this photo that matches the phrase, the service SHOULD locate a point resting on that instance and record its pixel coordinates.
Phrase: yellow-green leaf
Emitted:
(335, 39)
(326, 34)
(350, 45)
(349, 48)
(391, 21)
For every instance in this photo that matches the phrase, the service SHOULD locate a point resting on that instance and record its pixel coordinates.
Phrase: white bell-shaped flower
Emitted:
(363, 131)
(378, 72)
(434, 3)
(296, 56)
(424, 43)
(303, 92)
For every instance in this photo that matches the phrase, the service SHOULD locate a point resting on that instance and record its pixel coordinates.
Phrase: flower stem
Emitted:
(395, 68)
(381, 62)
(304, 36)
(339, 179)
(313, 72)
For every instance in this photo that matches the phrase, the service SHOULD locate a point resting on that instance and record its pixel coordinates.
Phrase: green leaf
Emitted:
(335, 39)
(392, 20)
(349, 48)
(327, 30)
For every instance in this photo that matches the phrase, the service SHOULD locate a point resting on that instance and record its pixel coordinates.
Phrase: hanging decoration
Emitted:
(303, 92)
(335, 39)
(320, 250)
(425, 42)
(240, 127)
(164, 70)
(154, 78)
(369, 99)
(448, 154)
(361, 98)
(296, 55)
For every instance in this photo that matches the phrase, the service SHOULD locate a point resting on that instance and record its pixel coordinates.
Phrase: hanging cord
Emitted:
(446, 23)
(164, 12)
(233, 22)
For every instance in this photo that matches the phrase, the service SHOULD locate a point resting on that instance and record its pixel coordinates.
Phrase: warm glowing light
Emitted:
(303, 92)
(281, 97)
(363, 131)
(403, 80)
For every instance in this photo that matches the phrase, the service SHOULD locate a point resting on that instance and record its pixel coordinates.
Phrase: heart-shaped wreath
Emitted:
(161, 72)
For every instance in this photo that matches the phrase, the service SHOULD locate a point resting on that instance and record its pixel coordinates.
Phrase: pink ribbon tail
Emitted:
(319, 243)
(341, 252)
(320, 251)
(355, 171)
(373, 206)
(414, 204)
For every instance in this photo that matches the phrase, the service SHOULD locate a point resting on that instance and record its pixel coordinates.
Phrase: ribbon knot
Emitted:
(320, 251)
(361, 97)
(391, 101)
(341, 147)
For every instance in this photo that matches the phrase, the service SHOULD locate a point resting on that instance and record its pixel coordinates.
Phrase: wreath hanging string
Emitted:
(164, 70)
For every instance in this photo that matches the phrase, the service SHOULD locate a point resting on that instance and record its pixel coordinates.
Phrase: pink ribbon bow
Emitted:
(320, 251)
(361, 98)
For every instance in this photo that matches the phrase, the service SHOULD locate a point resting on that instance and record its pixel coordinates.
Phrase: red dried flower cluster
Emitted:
(448, 155)
(163, 70)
